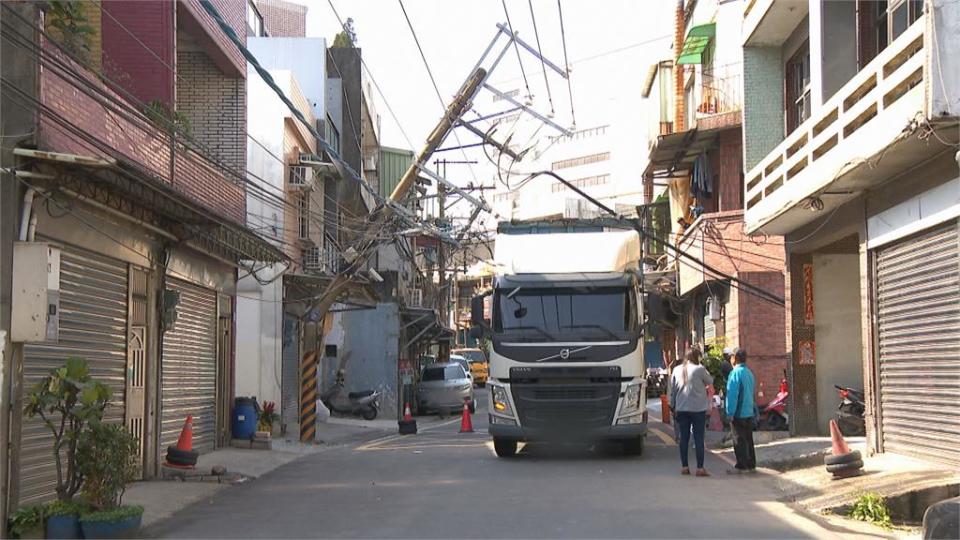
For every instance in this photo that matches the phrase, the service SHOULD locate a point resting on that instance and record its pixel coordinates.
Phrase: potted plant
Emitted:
(63, 519)
(27, 522)
(107, 457)
(67, 401)
(267, 417)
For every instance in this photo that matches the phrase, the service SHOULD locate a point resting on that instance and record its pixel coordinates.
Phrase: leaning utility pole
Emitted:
(368, 242)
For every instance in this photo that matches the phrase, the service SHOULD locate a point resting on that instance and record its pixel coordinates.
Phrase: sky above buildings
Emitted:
(610, 45)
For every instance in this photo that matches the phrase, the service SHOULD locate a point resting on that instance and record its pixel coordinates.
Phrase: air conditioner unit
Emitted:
(370, 163)
(416, 297)
(299, 176)
(312, 260)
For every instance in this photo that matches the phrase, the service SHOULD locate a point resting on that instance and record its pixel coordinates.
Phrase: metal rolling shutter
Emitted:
(93, 326)
(918, 320)
(189, 368)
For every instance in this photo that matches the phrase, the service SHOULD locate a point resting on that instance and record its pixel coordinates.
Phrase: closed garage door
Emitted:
(93, 326)
(189, 367)
(918, 330)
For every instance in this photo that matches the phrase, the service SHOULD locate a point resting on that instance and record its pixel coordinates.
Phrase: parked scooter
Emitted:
(850, 411)
(774, 416)
(337, 399)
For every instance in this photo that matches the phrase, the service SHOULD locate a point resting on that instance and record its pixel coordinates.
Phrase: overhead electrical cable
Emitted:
(546, 80)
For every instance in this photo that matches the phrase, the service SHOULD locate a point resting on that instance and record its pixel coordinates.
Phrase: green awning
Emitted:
(697, 40)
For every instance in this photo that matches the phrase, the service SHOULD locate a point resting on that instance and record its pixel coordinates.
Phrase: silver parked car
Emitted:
(444, 386)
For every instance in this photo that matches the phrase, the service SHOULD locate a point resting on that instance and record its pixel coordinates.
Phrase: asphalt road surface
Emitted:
(444, 484)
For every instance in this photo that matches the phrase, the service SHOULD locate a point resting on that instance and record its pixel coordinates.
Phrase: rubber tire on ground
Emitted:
(504, 448)
(773, 422)
(181, 457)
(633, 447)
(370, 413)
(858, 464)
(845, 458)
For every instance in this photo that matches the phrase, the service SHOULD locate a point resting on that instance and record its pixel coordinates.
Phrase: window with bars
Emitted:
(512, 93)
(583, 160)
(303, 215)
(797, 92)
(585, 182)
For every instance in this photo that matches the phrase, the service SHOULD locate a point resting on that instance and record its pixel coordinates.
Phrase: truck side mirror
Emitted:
(479, 327)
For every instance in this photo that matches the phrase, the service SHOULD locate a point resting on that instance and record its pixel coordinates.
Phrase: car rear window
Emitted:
(443, 373)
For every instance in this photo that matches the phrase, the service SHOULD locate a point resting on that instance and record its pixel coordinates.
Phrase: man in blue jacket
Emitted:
(740, 409)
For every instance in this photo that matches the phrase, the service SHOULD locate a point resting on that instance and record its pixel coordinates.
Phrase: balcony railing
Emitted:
(720, 90)
(846, 127)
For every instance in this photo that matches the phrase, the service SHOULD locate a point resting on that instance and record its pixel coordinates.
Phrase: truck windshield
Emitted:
(563, 314)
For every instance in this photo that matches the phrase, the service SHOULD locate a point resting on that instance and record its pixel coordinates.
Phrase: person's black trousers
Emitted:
(743, 443)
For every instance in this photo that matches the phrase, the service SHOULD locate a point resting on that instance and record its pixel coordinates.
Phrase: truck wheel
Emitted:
(633, 447)
(504, 448)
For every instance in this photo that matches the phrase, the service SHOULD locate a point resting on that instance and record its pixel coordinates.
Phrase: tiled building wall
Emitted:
(763, 103)
(283, 19)
(215, 105)
(123, 134)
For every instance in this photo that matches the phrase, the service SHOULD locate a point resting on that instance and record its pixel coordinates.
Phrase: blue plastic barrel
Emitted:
(244, 417)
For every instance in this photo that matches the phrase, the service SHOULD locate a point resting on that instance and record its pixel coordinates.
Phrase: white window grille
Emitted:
(299, 175)
(303, 216)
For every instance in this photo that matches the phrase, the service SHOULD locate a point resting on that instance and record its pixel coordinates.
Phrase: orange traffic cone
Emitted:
(836, 438)
(185, 442)
(407, 425)
(466, 423)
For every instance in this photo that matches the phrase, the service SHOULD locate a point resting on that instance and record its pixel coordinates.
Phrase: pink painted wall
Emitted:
(143, 67)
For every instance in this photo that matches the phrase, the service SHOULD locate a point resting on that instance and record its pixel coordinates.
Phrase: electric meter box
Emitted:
(36, 293)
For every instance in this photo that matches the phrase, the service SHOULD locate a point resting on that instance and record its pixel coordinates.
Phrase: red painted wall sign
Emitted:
(808, 294)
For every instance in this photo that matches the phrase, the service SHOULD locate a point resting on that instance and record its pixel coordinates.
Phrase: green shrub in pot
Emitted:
(68, 400)
(27, 522)
(107, 457)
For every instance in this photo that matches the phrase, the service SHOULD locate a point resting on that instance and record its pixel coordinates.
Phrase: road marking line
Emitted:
(662, 436)
(378, 443)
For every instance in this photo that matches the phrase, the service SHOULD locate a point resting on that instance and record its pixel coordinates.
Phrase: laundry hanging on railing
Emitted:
(702, 181)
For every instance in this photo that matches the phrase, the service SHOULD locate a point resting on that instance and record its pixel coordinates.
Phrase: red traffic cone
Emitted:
(836, 438)
(185, 442)
(466, 423)
(407, 425)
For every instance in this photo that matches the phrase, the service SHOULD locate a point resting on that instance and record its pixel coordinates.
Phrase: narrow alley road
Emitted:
(443, 484)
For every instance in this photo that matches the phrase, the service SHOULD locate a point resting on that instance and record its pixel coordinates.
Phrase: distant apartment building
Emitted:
(599, 158)
(850, 146)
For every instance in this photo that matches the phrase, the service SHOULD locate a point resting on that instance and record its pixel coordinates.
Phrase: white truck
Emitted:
(565, 322)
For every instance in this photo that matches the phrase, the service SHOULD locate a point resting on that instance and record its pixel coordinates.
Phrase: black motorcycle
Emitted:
(850, 412)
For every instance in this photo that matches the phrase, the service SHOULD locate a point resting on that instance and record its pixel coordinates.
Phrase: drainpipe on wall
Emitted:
(26, 213)
(679, 105)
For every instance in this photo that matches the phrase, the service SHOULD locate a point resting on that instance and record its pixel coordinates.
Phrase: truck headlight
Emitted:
(500, 400)
(631, 399)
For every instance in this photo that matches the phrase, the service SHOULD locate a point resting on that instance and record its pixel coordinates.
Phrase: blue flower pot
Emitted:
(125, 528)
(64, 527)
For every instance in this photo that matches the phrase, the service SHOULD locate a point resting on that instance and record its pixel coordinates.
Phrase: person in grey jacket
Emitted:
(689, 398)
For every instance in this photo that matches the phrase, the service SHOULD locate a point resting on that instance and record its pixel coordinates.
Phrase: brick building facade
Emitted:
(283, 19)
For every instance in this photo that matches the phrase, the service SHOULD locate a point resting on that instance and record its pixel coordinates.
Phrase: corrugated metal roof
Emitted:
(393, 163)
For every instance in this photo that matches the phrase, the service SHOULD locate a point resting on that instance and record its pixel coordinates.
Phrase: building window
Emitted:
(576, 162)
(798, 87)
(883, 21)
(586, 182)
(331, 135)
(254, 21)
(303, 215)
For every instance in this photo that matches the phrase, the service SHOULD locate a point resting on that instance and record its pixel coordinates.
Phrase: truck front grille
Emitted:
(565, 408)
